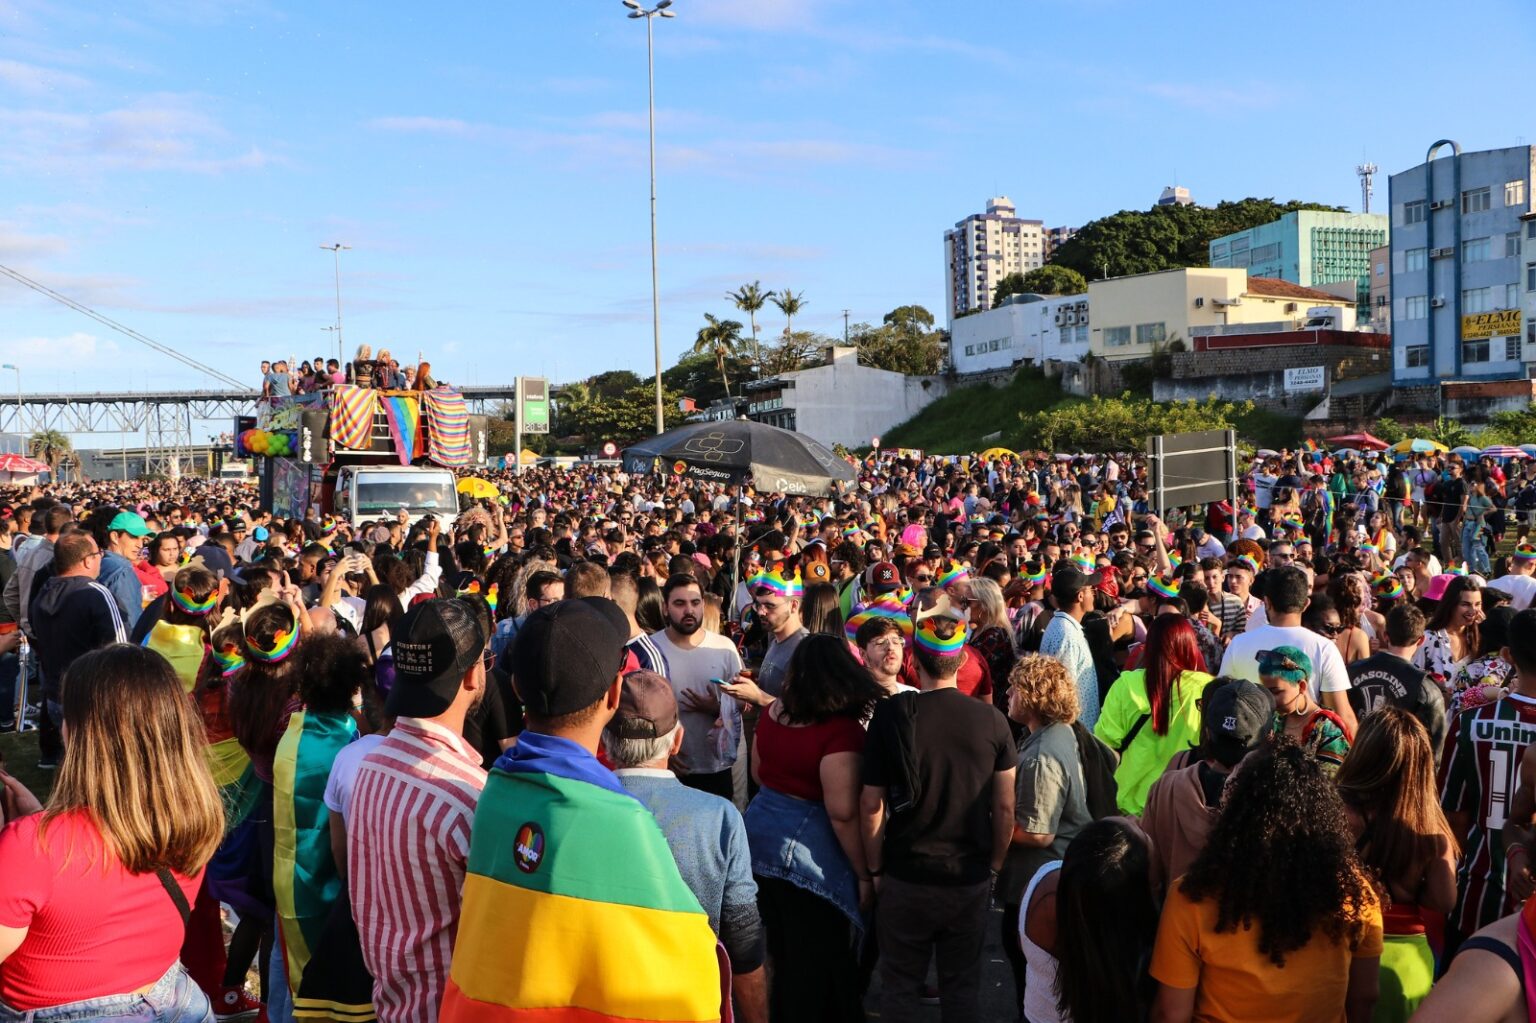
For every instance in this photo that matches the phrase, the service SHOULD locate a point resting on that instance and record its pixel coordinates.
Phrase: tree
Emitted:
(750, 298)
(1043, 280)
(612, 383)
(623, 417)
(790, 305)
(719, 338)
(904, 343)
(793, 351)
(698, 377)
(1164, 237)
(51, 446)
(1124, 423)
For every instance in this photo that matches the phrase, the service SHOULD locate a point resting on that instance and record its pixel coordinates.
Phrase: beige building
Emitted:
(1381, 289)
(986, 247)
(1136, 316)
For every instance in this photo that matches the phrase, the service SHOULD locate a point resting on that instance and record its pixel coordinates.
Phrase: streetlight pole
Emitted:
(19, 431)
(336, 250)
(636, 11)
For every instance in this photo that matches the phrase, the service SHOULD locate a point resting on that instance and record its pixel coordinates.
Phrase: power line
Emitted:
(148, 342)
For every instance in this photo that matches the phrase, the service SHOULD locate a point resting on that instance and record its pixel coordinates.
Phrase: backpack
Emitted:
(1098, 762)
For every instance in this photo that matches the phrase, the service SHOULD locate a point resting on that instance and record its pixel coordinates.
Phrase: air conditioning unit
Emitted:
(1082, 314)
(1440, 204)
(1061, 317)
(1443, 252)
(1436, 302)
(1290, 307)
(1199, 303)
(1071, 317)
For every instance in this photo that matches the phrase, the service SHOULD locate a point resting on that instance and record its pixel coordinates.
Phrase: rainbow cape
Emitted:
(573, 908)
(304, 877)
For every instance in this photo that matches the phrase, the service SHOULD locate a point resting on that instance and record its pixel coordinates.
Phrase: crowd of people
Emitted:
(640, 747)
(280, 379)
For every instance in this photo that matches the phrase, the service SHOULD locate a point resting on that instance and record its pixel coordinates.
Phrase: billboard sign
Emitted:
(1189, 469)
(533, 404)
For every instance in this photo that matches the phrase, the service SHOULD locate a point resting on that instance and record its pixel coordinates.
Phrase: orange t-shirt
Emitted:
(1239, 984)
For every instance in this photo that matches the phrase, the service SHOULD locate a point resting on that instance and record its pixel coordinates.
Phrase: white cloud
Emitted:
(77, 349)
(1256, 95)
(35, 80)
(19, 246)
(758, 15)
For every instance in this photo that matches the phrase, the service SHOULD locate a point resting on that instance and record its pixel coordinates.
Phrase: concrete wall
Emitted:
(1343, 362)
(846, 403)
(1017, 332)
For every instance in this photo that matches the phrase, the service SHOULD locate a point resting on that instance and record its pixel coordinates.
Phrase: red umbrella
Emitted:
(1364, 441)
(21, 464)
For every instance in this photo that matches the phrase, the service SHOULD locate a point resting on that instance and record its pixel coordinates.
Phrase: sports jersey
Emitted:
(1478, 777)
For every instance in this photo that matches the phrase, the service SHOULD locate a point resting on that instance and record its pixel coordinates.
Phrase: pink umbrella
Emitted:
(21, 464)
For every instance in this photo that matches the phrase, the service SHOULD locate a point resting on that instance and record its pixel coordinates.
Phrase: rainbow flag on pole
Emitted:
(573, 909)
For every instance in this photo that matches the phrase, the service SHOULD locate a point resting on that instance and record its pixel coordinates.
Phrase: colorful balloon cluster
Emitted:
(270, 442)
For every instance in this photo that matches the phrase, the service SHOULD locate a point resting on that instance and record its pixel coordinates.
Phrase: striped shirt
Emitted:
(649, 655)
(407, 844)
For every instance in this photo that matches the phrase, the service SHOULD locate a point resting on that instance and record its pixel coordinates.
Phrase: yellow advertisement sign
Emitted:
(1504, 323)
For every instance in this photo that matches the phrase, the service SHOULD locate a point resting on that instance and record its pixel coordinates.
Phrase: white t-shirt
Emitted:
(1328, 672)
(338, 789)
(1210, 547)
(1521, 589)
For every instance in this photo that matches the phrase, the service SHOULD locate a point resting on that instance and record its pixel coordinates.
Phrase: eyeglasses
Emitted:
(922, 578)
(93, 554)
(1330, 630)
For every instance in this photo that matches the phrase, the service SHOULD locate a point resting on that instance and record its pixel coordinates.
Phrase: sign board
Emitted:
(610, 450)
(1301, 379)
(532, 405)
(1477, 326)
(1189, 469)
(875, 443)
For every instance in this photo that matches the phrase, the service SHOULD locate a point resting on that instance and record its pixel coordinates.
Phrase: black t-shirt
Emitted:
(1450, 492)
(1386, 679)
(498, 716)
(959, 744)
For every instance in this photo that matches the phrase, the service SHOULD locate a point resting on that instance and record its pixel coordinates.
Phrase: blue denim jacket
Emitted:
(792, 839)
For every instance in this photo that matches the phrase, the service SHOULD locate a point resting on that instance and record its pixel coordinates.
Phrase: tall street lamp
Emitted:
(336, 250)
(636, 11)
(19, 431)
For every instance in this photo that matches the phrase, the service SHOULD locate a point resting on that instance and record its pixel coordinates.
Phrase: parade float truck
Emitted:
(359, 453)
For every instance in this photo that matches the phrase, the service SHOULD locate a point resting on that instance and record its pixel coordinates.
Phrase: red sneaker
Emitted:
(233, 1005)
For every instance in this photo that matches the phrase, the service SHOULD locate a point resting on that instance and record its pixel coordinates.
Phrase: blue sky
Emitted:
(176, 163)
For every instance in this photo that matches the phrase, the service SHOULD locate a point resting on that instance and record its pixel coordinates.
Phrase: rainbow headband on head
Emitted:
(1388, 587)
(1037, 577)
(282, 645)
(1525, 552)
(849, 532)
(191, 605)
(928, 638)
(1294, 522)
(953, 574)
(1175, 559)
(1370, 547)
(775, 581)
(1248, 561)
(1085, 563)
(229, 660)
(1460, 569)
(887, 605)
(1168, 588)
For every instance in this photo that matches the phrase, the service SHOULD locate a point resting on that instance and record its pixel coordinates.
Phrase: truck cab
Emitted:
(380, 491)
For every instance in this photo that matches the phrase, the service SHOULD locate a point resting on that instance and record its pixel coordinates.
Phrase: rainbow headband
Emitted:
(1388, 587)
(775, 581)
(282, 645)
(473, 590)
(1175, 559)
(1373, 548)
(1085, 563)
(926, 637)
(1037, 577)
(1168, 588)
(1525, 552)
(887, 605)
(1460, 569)
(229, 661)
(1294, 522)
(953, 574)
(1249, 562)
(191, 605)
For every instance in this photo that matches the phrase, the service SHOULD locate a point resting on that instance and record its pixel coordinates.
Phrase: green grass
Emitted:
(20, 753)
(958, 421)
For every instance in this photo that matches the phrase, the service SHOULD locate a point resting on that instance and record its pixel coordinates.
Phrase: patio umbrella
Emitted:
(1529, 449)
(1346, 452)
(742, 451)
(1504, 452)
(1266, 453)
(478, 488)
(1358, 440)
(1466, 451)
(1413, 444)
(21, 464)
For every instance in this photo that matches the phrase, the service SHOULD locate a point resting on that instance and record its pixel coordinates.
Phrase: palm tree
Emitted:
(749, 298)
(49, 445)
(719, 338)
(790, 305)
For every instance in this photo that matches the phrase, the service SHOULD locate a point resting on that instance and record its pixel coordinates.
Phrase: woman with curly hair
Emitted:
(1401, 834)
(1277, 919)
(1050, 800)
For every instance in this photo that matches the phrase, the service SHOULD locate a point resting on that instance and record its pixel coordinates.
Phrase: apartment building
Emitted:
(984, 248)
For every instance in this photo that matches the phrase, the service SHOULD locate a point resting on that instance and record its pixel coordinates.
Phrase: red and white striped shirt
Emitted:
(407, 843)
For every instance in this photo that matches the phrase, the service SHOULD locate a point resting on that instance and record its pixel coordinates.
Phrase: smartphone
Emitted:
(718, 682)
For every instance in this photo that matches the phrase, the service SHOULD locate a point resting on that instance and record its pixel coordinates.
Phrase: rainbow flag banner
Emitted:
(404, 415)
(574, 911)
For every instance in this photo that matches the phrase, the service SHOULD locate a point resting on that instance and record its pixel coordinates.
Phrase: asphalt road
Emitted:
(997, 1004)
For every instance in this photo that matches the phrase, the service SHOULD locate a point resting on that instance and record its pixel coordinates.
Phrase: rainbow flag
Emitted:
(404, 415)
(304, 876)
(1311, 445)
(447, 415)
(573, 908)
(352, 415)
(185, 646)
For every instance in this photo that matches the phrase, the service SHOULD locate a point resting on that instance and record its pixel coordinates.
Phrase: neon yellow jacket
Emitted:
(1143, 761)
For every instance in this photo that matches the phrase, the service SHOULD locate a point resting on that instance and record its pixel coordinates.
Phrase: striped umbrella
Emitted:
(1504, 452)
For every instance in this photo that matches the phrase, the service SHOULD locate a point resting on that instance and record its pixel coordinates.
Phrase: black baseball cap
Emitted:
(434, 644)
(567, 654)
(1239, 714)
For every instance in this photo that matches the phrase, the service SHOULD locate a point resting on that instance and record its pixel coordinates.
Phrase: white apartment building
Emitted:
(1025, 328)
(984, 248)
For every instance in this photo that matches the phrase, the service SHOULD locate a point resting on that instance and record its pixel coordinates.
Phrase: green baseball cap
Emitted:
(130, 523)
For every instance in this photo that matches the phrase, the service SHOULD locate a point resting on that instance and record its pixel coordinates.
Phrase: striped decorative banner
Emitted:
(404, 415)
(574, 912)
(304, 876)
(447, 427)
(352, 415)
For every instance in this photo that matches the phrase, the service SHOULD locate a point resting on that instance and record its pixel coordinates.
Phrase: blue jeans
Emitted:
(1475, 551)
(10, 671)
(279, 998)
(173, 999)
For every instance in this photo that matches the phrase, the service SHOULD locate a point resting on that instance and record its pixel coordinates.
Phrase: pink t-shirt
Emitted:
(93, 929)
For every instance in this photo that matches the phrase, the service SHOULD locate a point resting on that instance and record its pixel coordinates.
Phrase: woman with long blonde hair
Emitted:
(98, 886)
(1391, 800)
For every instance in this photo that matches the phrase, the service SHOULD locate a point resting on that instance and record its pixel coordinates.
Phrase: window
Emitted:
(1530, 277)
(1475, 351)
(1511, 349)
(1415, 307)
(1266, 253)
(1530, 230)
(1415, 259)
(1511, 244)
(1415, 212)
(1381, 301)
(970, 349)
(1150, 333)
(1117, 337)
(1476, 200)
(1415, 356)
(1381, 269)
(1476, 300)
(1476, 250)
(1514, 193)
(992, 346)
(1082, 334)
(1511, 296)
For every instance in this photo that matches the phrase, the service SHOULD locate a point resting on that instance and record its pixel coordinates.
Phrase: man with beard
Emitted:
(698, 660)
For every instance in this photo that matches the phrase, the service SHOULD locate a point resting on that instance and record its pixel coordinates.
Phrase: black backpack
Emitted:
(1098, 762)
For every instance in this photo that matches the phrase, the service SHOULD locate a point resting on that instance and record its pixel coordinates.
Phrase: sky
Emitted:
(176, 164)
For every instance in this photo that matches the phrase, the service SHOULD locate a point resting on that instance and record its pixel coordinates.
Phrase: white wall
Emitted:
(1022, 332)
(845, 403)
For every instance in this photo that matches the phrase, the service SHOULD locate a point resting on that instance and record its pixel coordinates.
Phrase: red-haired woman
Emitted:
(1151, 714)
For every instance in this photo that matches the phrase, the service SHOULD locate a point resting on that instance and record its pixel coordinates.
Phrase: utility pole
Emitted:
(336, 250)
(845, 326)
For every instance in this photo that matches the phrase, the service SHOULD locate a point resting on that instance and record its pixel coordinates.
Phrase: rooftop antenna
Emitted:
(1367, 172)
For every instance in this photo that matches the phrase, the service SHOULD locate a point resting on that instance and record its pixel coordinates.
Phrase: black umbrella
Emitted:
(741, 451)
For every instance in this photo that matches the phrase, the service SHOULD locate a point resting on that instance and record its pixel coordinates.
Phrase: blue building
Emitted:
(1311, 248)
(1457, 286)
